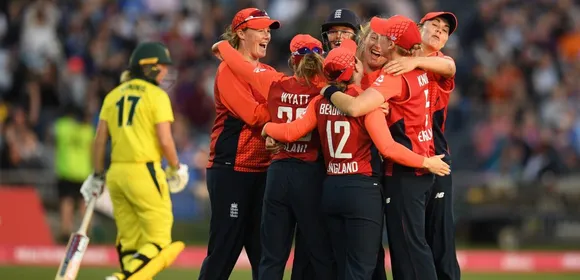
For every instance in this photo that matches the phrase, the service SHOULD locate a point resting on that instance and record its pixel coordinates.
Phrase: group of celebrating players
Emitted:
(353, 139)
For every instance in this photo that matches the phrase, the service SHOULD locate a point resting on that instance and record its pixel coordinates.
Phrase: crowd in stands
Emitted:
(515, 111)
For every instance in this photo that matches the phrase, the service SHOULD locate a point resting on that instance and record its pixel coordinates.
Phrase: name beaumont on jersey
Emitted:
(330, 110)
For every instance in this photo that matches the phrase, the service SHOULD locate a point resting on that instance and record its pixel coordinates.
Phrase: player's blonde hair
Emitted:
(232, 37)
(125, 76)
(309, 67)
(146, 72)
(365, 31)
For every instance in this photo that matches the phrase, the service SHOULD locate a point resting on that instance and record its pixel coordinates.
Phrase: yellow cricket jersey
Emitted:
(131, 111)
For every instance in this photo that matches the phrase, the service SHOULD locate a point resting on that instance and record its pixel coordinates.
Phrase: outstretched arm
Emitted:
(383, 88)
(376, 125)
(441, 65)
(259, 78)
(292, 131)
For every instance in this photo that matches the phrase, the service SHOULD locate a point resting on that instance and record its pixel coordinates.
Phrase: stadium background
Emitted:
(513, 125)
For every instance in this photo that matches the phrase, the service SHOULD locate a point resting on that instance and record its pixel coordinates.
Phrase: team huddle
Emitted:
(323, 158)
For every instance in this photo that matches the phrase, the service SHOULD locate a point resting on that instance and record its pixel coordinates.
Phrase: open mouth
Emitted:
(375, 54)
(263, 46)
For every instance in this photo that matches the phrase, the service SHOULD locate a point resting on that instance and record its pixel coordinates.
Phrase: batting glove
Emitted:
(177, 178)
(93, 186)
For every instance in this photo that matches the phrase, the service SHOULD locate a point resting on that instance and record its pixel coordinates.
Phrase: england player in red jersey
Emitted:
(406, 189)
(369, 52)
(236, 172)
(294, 182)
(352, 199)
(436, 27)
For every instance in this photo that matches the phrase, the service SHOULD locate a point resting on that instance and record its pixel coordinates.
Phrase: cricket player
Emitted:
(137, 115)
(341, 24)
(436, 27)
(294, 183)
(236, 171)
(352, 198)
(406, 189)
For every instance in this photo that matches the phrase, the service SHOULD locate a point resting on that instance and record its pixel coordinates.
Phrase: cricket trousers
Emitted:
(236, 210)
(380, 272)
(440, 229)
(354, 215)
(292, 197)
(406, 201)
(302, 268)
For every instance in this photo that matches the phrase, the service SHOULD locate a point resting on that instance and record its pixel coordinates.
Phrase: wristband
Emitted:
(329, 91)
(100, 175)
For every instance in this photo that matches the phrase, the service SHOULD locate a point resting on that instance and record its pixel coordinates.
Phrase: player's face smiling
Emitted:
(435, 33)
(386, 47)
(372, 52)
(256, 41)
(338, 33)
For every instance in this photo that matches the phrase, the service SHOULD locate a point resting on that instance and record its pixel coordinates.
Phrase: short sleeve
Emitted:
(389, 86)
(163, 111)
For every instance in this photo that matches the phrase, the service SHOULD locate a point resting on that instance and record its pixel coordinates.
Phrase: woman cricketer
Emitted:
(137, 115)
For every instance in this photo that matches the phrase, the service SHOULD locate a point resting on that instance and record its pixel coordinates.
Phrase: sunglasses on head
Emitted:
(306, 50)
(253, 15)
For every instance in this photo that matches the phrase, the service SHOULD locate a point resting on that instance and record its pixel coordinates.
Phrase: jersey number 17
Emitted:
(121, 107)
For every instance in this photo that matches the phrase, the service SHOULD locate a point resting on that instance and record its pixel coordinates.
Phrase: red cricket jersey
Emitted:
(287, 96)
(440, 89)
(409, 118)
(287, 101)
(369, 78)
(350, 145)
(346, 145)
(241, 111)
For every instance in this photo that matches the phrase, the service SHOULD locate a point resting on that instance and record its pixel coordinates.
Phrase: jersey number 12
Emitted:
(336, 129)
(121, 106)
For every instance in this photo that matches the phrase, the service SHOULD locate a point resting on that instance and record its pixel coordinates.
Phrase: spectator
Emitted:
(22, 147)
(73, 136)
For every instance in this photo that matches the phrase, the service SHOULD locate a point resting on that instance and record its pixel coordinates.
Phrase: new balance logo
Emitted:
(338, 13)
(440, 195)
(234, 210)
(258, 70)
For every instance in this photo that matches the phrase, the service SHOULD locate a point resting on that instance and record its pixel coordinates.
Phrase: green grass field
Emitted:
(27, 272)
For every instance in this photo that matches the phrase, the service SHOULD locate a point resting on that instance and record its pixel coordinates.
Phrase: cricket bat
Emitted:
(76, 247)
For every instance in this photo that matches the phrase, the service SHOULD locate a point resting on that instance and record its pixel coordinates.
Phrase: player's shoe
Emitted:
(163, 260)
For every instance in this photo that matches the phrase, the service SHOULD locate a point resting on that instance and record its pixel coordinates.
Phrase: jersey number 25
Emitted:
(288, 112)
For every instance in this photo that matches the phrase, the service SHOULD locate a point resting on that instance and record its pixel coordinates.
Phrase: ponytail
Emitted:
(309, 67)
(125, 76)
(145, 72)
(340, 85)
(232, 37)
